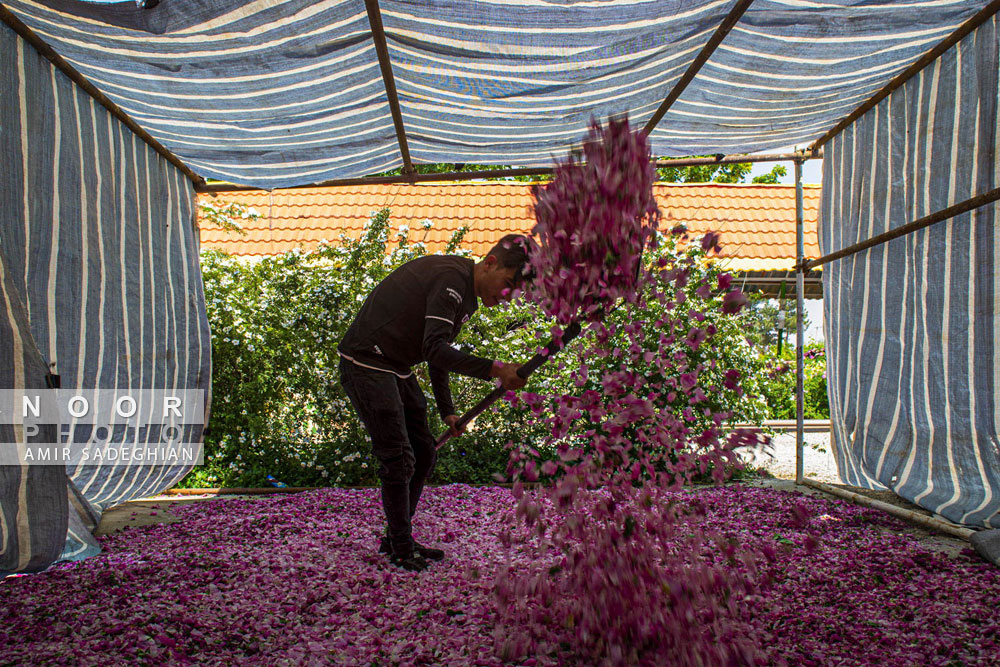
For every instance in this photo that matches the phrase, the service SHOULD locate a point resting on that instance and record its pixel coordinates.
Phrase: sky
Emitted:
(814, 312)
(812, 170)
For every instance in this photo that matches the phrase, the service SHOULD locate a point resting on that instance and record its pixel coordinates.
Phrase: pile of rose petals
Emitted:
(296, 580)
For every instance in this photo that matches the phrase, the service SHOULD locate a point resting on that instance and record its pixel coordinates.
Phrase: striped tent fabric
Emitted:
(911, 325)
(33, 499)
(272, 94)
(102, 288)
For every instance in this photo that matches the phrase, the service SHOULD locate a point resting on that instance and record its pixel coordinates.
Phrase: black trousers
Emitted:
(394, 412)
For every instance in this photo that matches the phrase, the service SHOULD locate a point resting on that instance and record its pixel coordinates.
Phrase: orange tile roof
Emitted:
(757, 222)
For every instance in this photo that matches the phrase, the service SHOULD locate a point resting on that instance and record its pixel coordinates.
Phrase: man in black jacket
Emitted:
(414, 315)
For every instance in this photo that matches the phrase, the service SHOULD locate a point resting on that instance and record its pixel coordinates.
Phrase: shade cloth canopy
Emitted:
(270, 94)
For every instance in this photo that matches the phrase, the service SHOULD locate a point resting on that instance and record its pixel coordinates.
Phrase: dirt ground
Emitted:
(142, 513)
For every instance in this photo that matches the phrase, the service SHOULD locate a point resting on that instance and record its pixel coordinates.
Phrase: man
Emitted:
(414, 315)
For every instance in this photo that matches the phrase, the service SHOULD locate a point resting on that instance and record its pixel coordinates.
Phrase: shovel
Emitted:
(553, 346)
(571, 332)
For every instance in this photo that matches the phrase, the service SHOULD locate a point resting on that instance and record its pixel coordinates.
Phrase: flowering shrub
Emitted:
(226, 215)
(278, 408)
(778, 382)
(295, 580)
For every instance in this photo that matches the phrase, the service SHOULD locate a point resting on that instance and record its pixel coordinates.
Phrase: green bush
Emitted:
(277, 405)
(779, 383)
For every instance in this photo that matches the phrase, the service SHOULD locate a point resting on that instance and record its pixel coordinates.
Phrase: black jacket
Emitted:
(414, 315)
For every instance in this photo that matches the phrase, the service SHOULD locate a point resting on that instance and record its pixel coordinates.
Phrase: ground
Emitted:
(295, 579)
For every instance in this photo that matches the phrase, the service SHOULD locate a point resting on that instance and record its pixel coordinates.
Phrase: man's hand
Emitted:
(509, 379)
(452, 422)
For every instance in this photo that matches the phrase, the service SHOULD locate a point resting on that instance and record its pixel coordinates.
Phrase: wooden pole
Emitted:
(516, 171)
(735, 14)
(899, 512)
(909, 228)
(388, 80)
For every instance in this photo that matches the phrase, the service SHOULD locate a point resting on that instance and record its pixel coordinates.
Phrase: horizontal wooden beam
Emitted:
(909, 228)
(738, 159)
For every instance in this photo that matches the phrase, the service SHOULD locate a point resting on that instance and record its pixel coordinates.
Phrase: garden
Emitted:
(278, 409)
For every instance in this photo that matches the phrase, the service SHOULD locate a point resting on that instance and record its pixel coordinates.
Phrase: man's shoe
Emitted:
(412, 562)
(430, 553)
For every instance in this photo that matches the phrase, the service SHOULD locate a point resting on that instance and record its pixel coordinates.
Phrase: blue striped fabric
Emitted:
(272, 95)
(912, 350)
(100, 251)
(33, 501)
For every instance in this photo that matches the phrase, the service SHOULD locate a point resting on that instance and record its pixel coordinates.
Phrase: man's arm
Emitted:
(444, 308)
(442, 391)
(509, 379)
(443, 311)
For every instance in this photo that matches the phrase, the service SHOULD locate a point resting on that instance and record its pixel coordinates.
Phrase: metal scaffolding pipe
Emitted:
(800, 255)
(515, 171)
(909, 228)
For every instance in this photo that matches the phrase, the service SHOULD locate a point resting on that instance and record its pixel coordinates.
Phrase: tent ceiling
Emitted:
(269, 94)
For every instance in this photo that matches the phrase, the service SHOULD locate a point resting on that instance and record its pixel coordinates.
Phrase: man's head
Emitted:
(502, 270)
